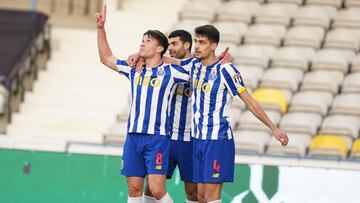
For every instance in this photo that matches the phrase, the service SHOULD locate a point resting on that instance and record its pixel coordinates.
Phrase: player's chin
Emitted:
(142, 54)
(197, 55)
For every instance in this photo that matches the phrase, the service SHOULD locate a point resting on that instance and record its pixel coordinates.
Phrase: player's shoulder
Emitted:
(189, 61)
(121, 62)
(169, 66)
(229, 69)
(226, 66)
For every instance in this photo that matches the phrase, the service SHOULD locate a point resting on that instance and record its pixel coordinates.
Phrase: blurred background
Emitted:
(63, 114)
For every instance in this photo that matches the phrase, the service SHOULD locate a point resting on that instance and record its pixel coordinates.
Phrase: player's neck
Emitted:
(153, 62)
(209, 60)
(187, 55)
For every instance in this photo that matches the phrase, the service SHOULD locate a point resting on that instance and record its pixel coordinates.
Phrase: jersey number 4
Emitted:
(216, 165)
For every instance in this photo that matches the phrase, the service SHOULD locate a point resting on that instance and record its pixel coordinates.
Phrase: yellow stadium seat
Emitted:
(355, 151)
(270, 98)
(328, 145)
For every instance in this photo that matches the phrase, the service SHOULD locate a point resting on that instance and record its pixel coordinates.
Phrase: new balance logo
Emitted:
(215, 175)
(159, 161)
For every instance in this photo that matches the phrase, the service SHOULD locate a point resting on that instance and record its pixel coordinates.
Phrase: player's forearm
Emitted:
(170, 60)
(105, 53)
(256, 109)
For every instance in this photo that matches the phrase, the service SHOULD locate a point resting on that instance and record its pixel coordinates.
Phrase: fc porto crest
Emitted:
(160, 72)
(212, 75)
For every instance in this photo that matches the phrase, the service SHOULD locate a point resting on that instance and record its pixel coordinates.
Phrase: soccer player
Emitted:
(213, 86)
(180, 42)
(146, 149)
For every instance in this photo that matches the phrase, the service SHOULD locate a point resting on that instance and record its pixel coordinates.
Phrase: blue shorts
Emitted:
(145, 154)
(181, 155)
(214, 160)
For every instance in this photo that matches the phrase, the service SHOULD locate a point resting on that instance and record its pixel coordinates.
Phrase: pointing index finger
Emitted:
(226, 50)
(103, 11)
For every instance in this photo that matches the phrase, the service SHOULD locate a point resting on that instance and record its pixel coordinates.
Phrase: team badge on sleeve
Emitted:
(238, 79)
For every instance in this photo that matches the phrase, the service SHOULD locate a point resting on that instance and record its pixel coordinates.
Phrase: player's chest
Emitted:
(153, 78)
(204, 79)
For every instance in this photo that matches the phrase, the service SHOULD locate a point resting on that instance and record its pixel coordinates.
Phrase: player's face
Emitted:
(203, 47)
(149, 47)
(177, 48)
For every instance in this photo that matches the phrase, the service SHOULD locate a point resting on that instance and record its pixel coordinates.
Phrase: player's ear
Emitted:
(159, 49)
(213, 46)
(187, 45)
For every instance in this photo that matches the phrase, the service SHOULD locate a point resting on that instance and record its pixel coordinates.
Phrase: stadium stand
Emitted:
(304, 36)
(251, 141)
(351, 83)
(265, 34)
(251, 75)
(238, 11)
(293, 57)
(348, 18)
(324, 145)
(271, 99)
(322, 80)
(249, 122)
(275, 13)
(355, 150)
(25, 48)
(301, 122)
(297, 145)
(198, 10)
(256, 55)
(315, 15)
(304, 53)
(311, 101)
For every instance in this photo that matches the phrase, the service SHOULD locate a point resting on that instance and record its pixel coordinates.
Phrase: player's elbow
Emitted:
(104, 60)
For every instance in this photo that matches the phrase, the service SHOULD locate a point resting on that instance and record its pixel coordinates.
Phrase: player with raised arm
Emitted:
(147, 144)
(180, 42)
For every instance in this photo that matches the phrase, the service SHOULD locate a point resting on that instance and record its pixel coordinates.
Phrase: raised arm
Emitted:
(105, 53)
(256, 109)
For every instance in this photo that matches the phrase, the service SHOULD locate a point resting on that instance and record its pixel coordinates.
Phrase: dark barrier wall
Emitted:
(18, 32)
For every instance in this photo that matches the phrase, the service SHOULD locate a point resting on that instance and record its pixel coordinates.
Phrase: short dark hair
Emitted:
(184, 36)
(208, 31)
(160, 37)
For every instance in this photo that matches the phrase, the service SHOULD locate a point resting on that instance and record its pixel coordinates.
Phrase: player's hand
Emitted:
(133, 59)
(225, 57)
(140, 65)
(281, 136)
(100, 18)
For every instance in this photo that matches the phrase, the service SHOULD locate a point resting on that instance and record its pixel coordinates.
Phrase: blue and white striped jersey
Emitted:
(180, 113)
(212, 90)
(150, 92)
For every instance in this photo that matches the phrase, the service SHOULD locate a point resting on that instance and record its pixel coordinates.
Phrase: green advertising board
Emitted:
(28, 176)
